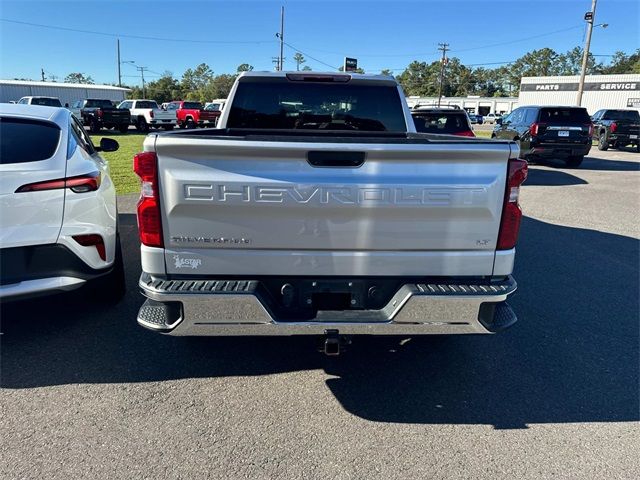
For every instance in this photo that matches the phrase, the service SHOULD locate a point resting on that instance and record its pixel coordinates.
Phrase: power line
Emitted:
(137, 37)
(517, 40)
(309, 56)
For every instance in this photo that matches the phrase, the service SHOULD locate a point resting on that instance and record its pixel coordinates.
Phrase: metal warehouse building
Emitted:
(600, 91)
(472, 104)
(14, 90)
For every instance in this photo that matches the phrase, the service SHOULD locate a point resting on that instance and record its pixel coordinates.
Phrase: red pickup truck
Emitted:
(192, 114)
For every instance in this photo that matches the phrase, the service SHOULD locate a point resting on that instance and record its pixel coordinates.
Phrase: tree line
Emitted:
(418, 78)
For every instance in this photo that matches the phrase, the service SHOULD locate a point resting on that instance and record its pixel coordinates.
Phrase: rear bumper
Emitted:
(559, 150)
(231, 307)
(623, 138)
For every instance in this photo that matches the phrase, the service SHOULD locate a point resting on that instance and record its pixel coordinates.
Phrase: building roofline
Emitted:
(33, 83)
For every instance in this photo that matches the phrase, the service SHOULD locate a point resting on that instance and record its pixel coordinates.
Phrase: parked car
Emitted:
(491, 118)
(42, 101)
(98, 114)
(192, 114)
(333, 218)
(146, 114)
(475, 119)
(617, 128)
(448, 121)
(58, 209)
(549, 132)
(215, 105)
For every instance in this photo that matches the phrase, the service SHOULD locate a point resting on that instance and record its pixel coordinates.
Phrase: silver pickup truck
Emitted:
(315, 208)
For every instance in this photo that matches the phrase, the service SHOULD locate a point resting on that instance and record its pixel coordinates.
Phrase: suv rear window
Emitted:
(283, 104)
(46, 102)
(192, 105)
(631, 115)
(441, 122)
(99, 103)
(26, 141)
(564, 115)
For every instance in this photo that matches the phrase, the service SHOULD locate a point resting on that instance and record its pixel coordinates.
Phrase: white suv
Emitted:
(57, 205)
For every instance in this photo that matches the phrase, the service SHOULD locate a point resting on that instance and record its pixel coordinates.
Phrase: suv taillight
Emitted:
(465, 133)
(614, 127)
(590, 126)
(511, 212)
(151, 114)
(145, 165)
(535, 128)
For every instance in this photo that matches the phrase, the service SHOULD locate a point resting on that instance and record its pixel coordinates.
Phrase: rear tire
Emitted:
(574, 161)
(602, 142)
(123, 128)
(110, 288)
(142, 125)
(190, 123)
(95, 126)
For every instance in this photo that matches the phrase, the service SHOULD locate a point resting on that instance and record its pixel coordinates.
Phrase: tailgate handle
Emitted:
(335, 159)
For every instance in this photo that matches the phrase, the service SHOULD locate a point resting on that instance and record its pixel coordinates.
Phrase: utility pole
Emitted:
(42, 73)
(276, 62)
(280, 64)
(142, 69)
(589, 17)
(119, 75)
(443, 47)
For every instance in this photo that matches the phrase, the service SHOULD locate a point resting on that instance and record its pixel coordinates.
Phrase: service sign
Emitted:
(350, 64)
(573, 87)
(633, 102)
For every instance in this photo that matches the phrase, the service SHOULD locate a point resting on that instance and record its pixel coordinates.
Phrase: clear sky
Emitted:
(381, 34)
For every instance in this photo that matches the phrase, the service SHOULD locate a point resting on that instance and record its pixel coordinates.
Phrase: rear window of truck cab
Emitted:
(630, 115)
(441, 122)
(98, 104)
(192, 105)
(278, 103)
(26, 141)
(146, 104)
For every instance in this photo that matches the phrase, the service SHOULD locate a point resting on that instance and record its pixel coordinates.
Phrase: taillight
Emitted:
(99, 112)
(92, 240)
(151, 114)
(613, 127)
(590, 125)
(465, 133)
(80, 184)
(145, 165)
(534, 129)
(511, 212)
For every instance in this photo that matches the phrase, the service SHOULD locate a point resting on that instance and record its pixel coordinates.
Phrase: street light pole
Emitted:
(589, 17)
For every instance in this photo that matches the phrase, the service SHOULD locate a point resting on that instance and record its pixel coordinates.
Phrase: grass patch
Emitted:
(121, 161)
(483, 133)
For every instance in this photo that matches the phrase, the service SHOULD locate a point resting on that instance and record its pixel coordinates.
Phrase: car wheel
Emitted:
(123, 128)
(110, 288)
(190, 123)
(95, 126)
(574, 161)
(142, 125)
(602, 142)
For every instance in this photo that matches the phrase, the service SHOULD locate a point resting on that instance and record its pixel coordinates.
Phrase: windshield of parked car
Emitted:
(192, 105)
(283, 104)
(564, 115)
(146, 104)
(98, 104)
(46, 102)
(631, 115)
(441, 122)
(26, 141)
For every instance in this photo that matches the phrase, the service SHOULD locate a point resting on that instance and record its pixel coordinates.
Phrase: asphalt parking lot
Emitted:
(88, 393)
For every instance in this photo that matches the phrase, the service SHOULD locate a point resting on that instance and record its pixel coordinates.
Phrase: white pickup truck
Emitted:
(147, 114)
(316, 209)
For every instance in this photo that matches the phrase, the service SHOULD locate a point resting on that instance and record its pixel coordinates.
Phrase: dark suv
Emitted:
(549, 132)
(442, 120)
(617, 128)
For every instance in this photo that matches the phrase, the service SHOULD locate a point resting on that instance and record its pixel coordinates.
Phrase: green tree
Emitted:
(193, 81)
(570, 63)
(299, 59)
(623, 63)
(165, 89)
(306, 68)
(244, 67)
(386, 71)
(420, 78)
(78, 77)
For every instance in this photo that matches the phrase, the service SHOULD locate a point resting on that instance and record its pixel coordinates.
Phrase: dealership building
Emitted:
(14, 90)
(600, 91)
(472, 104)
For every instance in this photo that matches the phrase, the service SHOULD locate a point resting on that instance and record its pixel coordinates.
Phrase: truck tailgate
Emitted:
(244, 207)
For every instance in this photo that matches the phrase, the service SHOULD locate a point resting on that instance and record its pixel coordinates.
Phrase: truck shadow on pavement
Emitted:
(572, 357)
(538, 177)
(598, 164)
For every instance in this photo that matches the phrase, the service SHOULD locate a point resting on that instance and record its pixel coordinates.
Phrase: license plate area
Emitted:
(332, 295)
(563, 133)
(633, 137)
